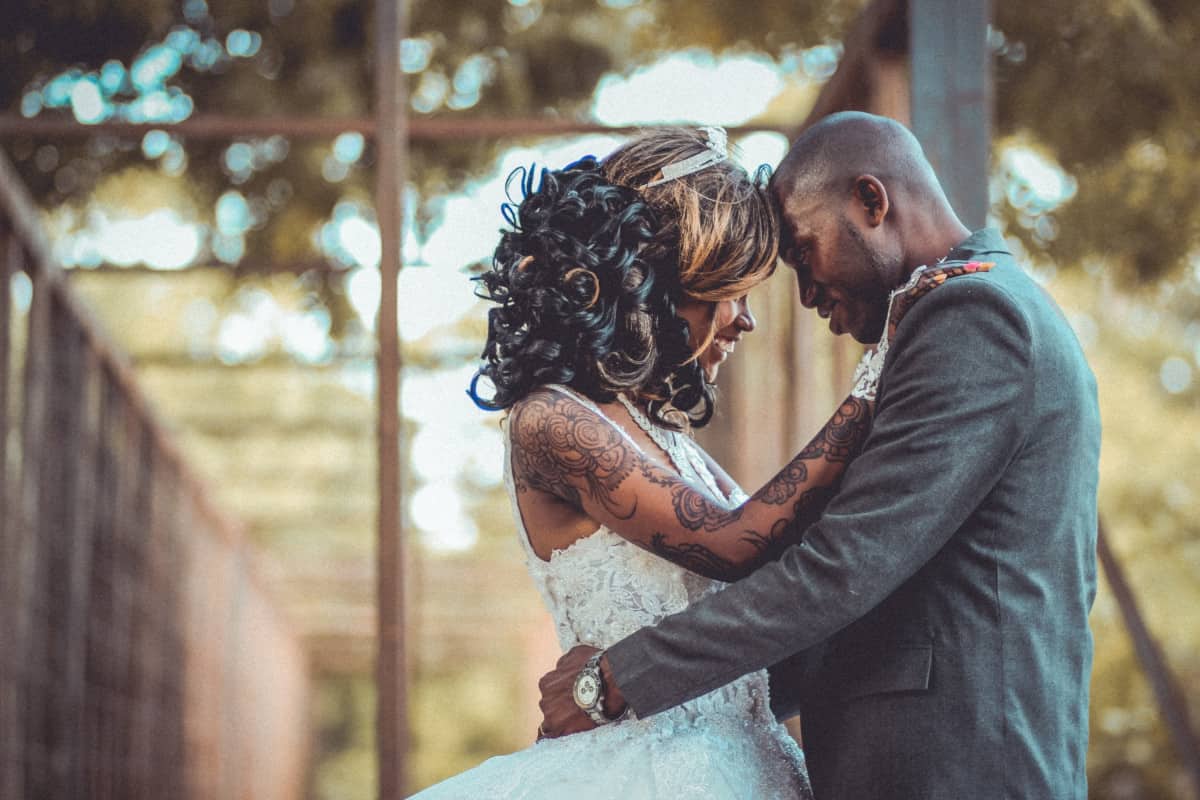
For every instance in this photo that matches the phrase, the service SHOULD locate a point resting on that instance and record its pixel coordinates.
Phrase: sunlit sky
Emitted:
(454, 441)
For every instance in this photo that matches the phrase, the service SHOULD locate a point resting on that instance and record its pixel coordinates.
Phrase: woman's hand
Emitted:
(866, 376)
(927, 281)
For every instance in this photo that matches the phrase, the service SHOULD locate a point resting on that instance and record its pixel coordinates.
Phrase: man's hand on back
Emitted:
(560, 714)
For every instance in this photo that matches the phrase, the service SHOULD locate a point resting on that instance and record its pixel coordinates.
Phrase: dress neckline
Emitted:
(680, 448)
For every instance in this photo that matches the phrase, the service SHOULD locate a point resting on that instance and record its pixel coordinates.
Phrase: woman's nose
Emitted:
(745, 318)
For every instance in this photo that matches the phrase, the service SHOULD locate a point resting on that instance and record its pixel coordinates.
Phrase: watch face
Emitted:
(587, 691)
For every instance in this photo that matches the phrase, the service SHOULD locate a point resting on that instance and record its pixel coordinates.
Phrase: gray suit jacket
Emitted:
(932, 626)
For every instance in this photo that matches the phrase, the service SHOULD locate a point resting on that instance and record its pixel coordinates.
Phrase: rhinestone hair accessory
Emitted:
(716, 150)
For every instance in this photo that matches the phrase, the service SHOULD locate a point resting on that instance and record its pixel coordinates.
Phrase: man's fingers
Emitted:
(560, 715)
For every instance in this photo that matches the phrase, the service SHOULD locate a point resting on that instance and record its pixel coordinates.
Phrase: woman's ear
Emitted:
(872, 198)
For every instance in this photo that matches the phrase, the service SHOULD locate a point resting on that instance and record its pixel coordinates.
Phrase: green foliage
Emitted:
(1111, 90)
(344, 722)
(1150, 502)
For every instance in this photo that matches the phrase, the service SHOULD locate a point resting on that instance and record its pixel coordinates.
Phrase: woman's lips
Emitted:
(724, 346)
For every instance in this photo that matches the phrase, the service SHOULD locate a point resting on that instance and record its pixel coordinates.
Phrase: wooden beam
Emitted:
(201, 126)
(448, 358)
(217, 126)
(29, 636)
(391, 107)
(83, 468)
(242, 269)
(952, 98)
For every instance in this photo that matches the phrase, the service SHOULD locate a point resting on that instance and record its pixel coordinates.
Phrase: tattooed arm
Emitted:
(570, 452)
(567, 450)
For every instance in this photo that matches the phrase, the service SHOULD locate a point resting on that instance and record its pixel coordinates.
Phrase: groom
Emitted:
(932, 626)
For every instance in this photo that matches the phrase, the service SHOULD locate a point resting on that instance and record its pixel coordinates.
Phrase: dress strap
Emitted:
(682, 451)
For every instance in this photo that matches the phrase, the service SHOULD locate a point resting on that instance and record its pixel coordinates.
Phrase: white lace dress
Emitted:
(724, 745)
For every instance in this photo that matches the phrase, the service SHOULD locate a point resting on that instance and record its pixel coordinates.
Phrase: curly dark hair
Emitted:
(590, 276)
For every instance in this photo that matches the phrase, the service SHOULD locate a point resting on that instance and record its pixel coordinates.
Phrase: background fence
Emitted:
(140, 657)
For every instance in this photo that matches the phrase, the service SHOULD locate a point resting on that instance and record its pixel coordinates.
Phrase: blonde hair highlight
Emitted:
(717, 224)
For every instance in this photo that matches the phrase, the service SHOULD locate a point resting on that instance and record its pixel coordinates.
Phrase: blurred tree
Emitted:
(1130, 147)
(152, 60)
(1109, 89)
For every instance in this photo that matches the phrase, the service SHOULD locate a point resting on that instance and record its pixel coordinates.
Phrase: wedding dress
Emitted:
(725, 745)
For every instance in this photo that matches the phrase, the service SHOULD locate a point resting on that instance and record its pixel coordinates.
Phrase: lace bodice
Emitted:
(602, 587)
(724, 745)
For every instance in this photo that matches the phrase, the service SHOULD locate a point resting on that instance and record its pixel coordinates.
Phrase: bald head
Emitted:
(830, 155)
(860, 208)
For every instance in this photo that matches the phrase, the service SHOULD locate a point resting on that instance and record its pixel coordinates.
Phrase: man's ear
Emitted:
(872, 199)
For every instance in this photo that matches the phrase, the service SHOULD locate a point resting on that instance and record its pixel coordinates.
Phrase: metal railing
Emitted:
(139, 655)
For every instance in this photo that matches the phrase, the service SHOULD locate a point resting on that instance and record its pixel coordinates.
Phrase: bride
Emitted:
(621, 288)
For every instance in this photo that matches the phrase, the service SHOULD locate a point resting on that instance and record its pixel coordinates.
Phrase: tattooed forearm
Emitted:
(819, 466)
(561, 445)
(810, 506)
(694, 557)
(842, 437)
(805, 487)
(566, 449)
(838, 442)
(784, 487)
(695, 511)
(787, 531)
(769, 545)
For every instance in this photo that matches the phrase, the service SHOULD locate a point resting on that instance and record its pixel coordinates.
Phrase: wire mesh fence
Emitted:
(139, 655)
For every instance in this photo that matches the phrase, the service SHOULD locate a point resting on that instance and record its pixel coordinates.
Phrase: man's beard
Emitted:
(874, 298)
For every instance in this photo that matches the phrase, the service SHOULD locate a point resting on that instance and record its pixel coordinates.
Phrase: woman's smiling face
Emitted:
(726, 319)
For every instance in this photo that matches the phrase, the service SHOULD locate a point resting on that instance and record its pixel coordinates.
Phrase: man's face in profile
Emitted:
(837, 271)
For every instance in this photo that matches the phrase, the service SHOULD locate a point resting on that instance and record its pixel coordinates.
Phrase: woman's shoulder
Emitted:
(562, 418)
(548, 402)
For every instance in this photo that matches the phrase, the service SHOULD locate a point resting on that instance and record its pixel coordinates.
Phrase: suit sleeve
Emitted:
(952, 413)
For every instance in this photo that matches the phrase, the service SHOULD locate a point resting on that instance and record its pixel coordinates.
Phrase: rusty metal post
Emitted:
(101, 667)
(391, 141)
(9, 533)
(952, 98)
(8, 255)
